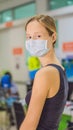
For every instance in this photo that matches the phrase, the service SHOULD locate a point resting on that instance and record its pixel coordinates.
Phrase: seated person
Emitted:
(7, 83)
(11, 93)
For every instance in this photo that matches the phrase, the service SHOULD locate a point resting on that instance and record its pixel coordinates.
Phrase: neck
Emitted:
(49, 58)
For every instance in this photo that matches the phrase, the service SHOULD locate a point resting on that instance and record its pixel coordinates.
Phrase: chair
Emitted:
(19, 114)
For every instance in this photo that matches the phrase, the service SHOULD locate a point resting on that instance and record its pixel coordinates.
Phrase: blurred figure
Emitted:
(7, 83)
(11, 93)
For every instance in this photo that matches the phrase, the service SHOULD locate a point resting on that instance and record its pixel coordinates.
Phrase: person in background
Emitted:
(11, 93)
(50, 88)
(7, 82)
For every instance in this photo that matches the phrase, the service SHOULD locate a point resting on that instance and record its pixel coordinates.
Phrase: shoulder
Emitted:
(47, 71)
(46, 77)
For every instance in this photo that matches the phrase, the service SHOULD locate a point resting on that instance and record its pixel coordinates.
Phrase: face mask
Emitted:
(37, 47)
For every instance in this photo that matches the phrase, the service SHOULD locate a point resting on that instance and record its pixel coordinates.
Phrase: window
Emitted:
(69, 2)
(20, 12)
(55, 4)
(24, 11)
(7, 16)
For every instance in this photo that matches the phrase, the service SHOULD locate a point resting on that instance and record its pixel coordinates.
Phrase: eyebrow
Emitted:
(34, 33)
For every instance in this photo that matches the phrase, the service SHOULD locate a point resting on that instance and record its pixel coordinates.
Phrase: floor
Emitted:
(12, 128)
(4, 125)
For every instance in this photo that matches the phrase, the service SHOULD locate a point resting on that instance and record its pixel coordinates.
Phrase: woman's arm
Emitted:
(39, 94)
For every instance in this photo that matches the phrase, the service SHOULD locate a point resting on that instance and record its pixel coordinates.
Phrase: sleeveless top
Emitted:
(54, 106)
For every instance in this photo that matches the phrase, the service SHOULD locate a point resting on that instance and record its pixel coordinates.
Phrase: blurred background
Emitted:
(17, 67)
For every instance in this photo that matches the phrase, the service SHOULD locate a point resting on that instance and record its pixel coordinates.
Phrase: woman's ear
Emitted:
(54, 37)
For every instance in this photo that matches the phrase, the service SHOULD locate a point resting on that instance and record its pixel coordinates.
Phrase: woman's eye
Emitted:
(39, 35)
(28, 37)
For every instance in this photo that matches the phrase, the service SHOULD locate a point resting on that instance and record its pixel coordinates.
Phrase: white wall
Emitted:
(65, 33)
(4, 49)
(9, 39)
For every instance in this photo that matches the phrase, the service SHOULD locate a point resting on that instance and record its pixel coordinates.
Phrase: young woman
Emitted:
(50, 88)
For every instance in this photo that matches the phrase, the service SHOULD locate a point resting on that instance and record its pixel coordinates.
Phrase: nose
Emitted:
(34, 38)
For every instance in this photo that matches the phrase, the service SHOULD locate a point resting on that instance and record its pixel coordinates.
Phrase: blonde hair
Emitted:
(45, 20)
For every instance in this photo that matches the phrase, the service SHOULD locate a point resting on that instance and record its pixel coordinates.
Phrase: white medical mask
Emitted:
(37, 47)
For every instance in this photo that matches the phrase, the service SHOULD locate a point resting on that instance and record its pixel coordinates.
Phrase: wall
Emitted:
(65, 33)
(4, 49)
(9, 39)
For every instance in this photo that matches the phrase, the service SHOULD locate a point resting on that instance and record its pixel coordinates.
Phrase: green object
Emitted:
(63, 122)
(33, 63)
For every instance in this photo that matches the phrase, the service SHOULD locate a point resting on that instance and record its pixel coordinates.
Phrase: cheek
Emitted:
(50, 42)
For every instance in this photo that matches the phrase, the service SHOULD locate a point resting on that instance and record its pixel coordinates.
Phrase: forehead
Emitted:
(35, 26)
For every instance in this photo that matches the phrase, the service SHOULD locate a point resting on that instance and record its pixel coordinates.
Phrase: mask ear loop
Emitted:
(27, 44)
(46, 45)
